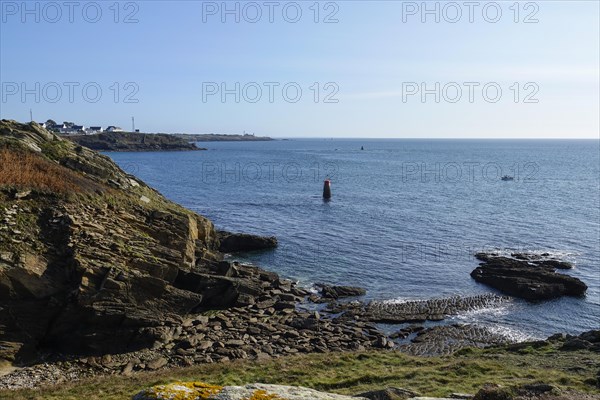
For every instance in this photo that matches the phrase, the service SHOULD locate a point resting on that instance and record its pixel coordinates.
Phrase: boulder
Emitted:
(242, 242)
(336, 292)
(199, 390)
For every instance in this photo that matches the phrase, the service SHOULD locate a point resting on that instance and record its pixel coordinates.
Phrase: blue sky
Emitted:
(376, 62)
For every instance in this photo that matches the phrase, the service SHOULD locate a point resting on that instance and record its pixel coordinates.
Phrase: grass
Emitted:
(353, 373)
(55, 149)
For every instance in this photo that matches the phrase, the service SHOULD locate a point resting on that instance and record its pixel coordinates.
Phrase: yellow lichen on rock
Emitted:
(180, 391)
(263, 395)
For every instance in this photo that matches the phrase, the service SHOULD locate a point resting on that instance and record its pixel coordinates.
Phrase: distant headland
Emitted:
(114, 138)
(131, 141)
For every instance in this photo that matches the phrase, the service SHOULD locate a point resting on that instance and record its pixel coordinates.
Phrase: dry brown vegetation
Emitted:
(26, 170)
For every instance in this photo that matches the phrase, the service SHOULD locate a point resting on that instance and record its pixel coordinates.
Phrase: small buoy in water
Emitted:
(362, 147)
(327, 189)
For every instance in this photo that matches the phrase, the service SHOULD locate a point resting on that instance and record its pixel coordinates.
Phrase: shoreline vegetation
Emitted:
(107, 288)
(353, 373)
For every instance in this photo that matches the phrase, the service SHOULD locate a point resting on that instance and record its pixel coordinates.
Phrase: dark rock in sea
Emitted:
(241, 242)
(391, 393)
(485, 256)
(336, 292)
(532, 281)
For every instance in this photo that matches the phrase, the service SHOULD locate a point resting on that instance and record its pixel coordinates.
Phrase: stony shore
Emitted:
(276, 324)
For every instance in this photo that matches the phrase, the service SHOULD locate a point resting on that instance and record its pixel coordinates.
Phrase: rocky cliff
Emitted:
(100, 272)
(92, 260)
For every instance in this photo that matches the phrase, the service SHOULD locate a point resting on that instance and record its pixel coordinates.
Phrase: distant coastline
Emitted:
(136, 141)
(128, 141)
(213, 137)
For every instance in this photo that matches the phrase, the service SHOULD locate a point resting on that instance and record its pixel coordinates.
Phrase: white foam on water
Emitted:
(492, 311)
(400, 300)
(566, 255)
(312, 288)
(511, 333)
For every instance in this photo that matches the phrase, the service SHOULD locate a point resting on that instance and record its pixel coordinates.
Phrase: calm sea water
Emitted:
(406, 215)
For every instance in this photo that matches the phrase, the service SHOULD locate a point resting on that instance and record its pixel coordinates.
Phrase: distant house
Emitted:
(114, 129)
(93, 130)
(59, 128)
(42, 124)
(65, 129)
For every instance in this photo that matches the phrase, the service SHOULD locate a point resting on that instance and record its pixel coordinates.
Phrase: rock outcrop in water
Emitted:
(242, 242)
(337, 292)
(530, 277)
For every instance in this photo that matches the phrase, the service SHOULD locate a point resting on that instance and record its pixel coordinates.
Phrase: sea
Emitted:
(405, 217)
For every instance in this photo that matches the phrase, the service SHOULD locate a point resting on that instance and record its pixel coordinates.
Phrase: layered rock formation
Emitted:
(337, 292)
(527, 276)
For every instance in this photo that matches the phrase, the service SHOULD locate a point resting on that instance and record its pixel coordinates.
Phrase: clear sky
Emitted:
(364, 68)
